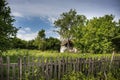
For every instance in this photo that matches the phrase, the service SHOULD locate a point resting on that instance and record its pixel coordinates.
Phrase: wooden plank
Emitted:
(13, 72)
(8, 68)
(50, 68)
(66, 64)
(63, 66)
(55, 69)
(28, 65)
(80, 64)
(59, 69)
(71, 64)
(1, 66)
(74, 65)
(32, 68)
(47, 71)
(24, 67)
(77, 64)
(42, 66)
(20, 68)
(38, 65)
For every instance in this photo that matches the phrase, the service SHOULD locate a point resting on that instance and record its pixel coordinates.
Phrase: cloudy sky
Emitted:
(34, 15)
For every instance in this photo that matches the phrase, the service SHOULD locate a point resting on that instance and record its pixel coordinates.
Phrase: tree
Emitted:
(19, 44)
(116, 39)
(30, 44)
(52, 44)
(96, 36)
(40, 40)
(7, 30)
(67, 23)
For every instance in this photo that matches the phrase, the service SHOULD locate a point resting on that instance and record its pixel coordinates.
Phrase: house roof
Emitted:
(64, 42)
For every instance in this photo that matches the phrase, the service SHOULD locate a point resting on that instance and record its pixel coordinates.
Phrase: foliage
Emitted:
(18, 43)
(116, 39)
(49, 44)
(67, 22)
(96, 36)
(52, 44)
(81, 76)
(30, 44)
(40, 40)
(43, 43)
(7, 30)
(14, 54)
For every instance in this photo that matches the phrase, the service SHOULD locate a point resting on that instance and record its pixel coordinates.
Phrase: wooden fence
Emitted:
(29, 68)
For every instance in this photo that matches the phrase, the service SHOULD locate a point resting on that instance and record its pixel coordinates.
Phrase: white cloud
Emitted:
(26, 34)
(55, 8)
(22, 31)
(27, 29)
(17, 14)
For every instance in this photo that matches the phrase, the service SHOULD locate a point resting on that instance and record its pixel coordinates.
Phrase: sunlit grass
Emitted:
(47, 54)
(15, 54)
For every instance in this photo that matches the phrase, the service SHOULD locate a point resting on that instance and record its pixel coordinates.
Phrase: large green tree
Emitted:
(52, 44)
(96, 36)
(19, 43)
(40, 40)
(116, 39)
(67, 23)
(7, 30)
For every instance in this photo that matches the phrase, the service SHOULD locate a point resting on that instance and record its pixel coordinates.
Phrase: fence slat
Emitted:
(8, 68)
(13, 72)
(59, 69)
(20, 68)
(1, 66)
(32, 68)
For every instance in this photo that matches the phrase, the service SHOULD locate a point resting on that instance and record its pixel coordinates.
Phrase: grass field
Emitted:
(47, 54)
(14, 54)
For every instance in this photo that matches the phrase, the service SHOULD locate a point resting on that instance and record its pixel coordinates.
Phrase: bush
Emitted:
(81, 76)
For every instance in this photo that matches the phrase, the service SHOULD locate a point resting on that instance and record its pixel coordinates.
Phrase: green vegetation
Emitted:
(81, 76)
(97, 35)
(7, 30)
(91, 38)
(14, 54)
(43, 43)
(40, 40)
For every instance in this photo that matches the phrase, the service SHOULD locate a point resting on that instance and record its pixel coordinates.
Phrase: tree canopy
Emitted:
(67, 23)
(40, 40)
(7, 30)
(96, 35)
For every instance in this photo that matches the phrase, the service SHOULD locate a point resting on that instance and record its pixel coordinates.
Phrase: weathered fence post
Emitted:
(13, 71)
(8, 67)
(1, 66)
(20, 68)
(59, 68)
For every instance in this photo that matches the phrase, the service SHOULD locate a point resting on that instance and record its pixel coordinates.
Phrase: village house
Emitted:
(67, 45)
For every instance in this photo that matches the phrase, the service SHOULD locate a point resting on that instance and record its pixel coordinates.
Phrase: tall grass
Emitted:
(14, 54)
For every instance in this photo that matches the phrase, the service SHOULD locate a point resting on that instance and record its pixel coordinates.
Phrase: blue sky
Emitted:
(34, 15)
